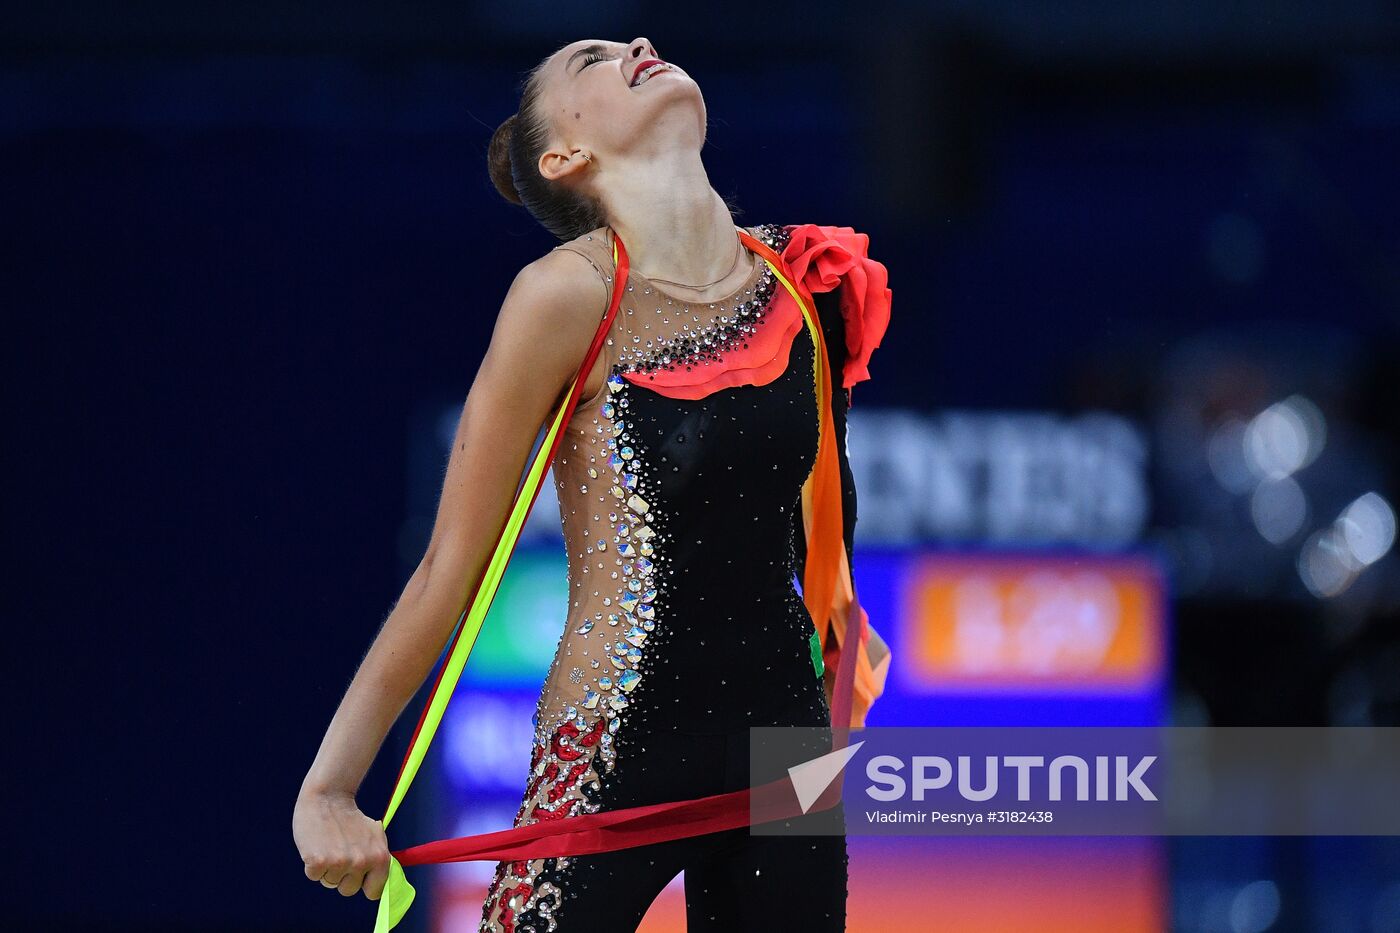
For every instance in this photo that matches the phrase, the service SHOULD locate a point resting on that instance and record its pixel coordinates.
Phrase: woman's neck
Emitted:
(675, 225)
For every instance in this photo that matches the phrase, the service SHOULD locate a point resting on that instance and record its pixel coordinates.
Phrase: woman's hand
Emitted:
(341, 847)
(545, 325)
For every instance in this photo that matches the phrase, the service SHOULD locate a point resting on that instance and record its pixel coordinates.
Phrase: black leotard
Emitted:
(682, 521)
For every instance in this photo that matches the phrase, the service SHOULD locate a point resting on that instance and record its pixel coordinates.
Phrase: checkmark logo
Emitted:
(811, 778)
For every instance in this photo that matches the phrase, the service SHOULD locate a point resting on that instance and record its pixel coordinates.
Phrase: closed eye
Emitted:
(592, 58)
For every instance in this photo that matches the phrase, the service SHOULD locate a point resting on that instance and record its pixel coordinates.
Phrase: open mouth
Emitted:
(652, 69)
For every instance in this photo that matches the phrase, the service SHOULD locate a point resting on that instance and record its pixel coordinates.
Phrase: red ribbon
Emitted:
(611, 830)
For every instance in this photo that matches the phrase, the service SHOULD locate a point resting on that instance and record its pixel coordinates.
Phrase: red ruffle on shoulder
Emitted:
(823, 257)
(819, 259)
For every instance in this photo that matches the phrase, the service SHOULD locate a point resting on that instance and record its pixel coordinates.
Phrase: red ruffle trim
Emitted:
(819, 258)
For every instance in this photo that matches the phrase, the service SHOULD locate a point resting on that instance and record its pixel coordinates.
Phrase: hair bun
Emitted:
(498, 160)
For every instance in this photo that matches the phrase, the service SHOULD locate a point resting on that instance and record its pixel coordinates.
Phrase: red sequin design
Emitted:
(570, 752)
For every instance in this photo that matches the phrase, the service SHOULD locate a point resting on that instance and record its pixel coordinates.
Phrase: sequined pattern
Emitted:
(561, 773)
(617, 484)
(729, 324)
(601, 649)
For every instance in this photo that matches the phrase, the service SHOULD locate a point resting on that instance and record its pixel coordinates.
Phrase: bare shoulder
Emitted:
(555, 296)
(542, 332)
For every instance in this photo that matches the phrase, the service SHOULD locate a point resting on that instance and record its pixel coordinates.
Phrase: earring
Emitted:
(587, 156)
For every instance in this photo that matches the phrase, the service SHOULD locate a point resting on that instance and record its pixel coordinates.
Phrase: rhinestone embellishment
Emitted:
(729, 325)
(611, 495)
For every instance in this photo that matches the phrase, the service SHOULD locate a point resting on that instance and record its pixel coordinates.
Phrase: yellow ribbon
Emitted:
(398, 894)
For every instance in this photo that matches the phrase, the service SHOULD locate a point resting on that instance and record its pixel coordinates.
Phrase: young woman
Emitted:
(679, 479)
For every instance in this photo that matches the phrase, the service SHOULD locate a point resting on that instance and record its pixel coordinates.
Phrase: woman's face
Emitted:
(590, 94)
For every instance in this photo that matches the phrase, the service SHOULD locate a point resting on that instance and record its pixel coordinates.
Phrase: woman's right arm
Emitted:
(544, 328)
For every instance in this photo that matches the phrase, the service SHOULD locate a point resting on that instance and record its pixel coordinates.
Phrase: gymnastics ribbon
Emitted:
(608, 831)
(828, 589)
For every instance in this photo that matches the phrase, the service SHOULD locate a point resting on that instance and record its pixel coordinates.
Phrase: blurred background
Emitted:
(1130, 455)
